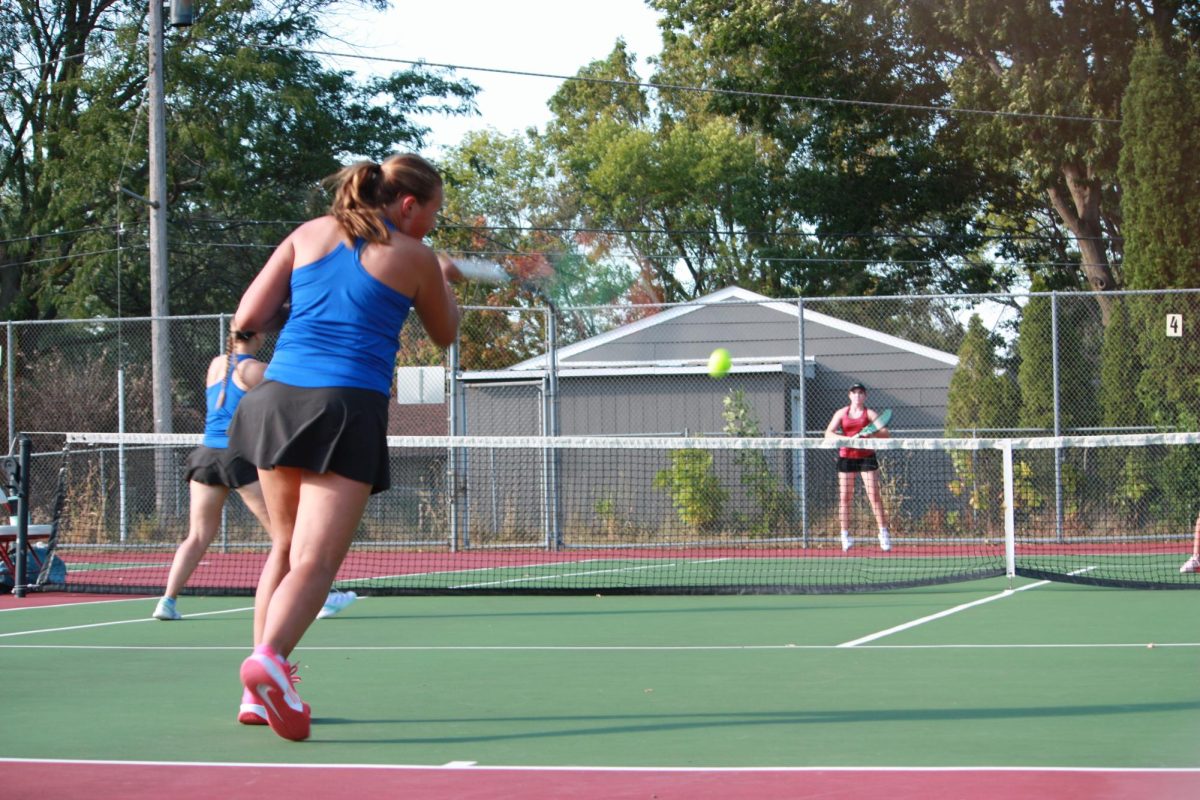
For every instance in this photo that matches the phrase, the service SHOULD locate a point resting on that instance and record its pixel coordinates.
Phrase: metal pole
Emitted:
(160, 339)
(122, 508)
(452, 454)
(22, 543)
(12, 431)
(802, 424)
(1058, 484)
(550, 428)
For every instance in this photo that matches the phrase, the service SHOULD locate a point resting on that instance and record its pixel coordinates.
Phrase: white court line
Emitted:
(981, 601)
(424, 573)
(526, 579)
(73, 605)
(459, 765)
(118, 622)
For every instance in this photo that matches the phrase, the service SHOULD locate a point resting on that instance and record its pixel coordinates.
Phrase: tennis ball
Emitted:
(719, 362)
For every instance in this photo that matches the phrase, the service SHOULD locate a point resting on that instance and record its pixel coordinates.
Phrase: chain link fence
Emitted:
(987, 365)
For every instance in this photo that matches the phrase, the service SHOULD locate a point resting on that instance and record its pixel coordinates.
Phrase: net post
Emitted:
(1010, 524)
(22, 544)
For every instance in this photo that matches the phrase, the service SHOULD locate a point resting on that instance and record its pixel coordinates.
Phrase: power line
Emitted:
(17, 70)
(669, 87)
(76, 232)
(568, 229)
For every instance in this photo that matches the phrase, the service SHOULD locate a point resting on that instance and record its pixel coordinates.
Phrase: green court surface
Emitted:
(1049, 675)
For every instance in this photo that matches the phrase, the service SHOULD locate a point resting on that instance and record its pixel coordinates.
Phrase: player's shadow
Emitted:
(601, 725)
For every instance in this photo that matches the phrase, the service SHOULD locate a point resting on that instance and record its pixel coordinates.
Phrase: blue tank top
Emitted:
(344, 326)
(216, 421)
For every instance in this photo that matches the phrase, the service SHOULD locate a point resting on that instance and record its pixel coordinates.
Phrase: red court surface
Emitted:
(133, 781)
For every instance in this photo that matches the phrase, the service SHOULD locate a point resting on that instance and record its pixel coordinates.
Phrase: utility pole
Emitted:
(160, 339)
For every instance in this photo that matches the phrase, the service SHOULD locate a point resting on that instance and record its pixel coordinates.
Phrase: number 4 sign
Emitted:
(1174, 324)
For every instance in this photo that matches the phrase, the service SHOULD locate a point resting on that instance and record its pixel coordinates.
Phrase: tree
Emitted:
(981, 400)
(1160, 168)
(254, 122)
(869, 198)
(681, 195)
(1076, 365)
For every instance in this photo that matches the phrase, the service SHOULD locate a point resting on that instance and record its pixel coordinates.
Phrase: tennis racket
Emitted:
(479, 269)
(881, 421)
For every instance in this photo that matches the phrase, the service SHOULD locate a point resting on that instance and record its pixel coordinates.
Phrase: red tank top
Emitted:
(850, 426)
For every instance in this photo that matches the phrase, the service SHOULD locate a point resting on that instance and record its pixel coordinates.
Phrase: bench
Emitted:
(8, 535)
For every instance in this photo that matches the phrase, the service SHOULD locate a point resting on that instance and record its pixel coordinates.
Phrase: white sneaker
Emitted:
(885, 541)
(847, 542)
(165, 610)
(1191, 565)
(336, 601)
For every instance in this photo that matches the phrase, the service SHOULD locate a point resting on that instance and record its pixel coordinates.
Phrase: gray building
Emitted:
(650, 377)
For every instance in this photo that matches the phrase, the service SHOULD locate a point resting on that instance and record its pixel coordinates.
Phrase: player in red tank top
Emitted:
(848, 421)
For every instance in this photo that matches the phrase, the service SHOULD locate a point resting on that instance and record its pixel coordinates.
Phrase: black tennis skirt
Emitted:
(328, 429)
(868, 464)
(219, 467)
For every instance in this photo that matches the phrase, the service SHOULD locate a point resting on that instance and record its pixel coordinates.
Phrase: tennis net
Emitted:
(673, 515)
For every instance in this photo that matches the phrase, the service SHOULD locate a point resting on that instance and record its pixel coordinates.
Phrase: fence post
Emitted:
(221, 348)
(802, 424)
(550, 428)
(1058, 498)
(454, 423)
(21, 546)
(12, 406)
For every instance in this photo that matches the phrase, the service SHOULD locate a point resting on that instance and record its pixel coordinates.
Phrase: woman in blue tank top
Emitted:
(316, 427)
(212, 470)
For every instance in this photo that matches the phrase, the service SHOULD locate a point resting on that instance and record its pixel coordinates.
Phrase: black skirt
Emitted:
(328, 429)
(219, 467)
(867, 464)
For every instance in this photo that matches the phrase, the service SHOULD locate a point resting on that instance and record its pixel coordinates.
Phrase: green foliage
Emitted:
(1160, 168)
(1078, 330)
(981, 400)
(1120, 359)
(853, 175)
(695, 490)
(254, 121)
(774, 500)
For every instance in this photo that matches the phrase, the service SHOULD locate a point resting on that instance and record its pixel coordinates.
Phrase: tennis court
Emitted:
(1045, 690)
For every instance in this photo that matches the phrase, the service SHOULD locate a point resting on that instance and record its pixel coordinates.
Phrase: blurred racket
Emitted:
(881, 421)
(480, 269)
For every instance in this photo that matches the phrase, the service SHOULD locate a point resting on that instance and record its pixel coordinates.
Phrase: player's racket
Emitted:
(479, 269)
(881, 421)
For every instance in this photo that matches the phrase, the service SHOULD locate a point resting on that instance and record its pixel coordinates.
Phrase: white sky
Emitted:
(554, 37)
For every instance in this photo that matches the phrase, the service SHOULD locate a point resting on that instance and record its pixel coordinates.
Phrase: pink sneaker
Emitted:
(251, 711)
(269, 677)
(1191, 565)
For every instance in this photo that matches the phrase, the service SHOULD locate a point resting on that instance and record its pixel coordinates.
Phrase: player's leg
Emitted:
(845, 506)
(279, 527)
(326, 514)
(276, 565)
(875, 498)
(329, 509)
(1193, 563)
(204, 520)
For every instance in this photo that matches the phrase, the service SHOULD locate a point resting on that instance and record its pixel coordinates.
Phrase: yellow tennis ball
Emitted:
(719, 362)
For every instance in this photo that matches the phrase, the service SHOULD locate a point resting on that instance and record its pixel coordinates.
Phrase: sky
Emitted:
(554, 37)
